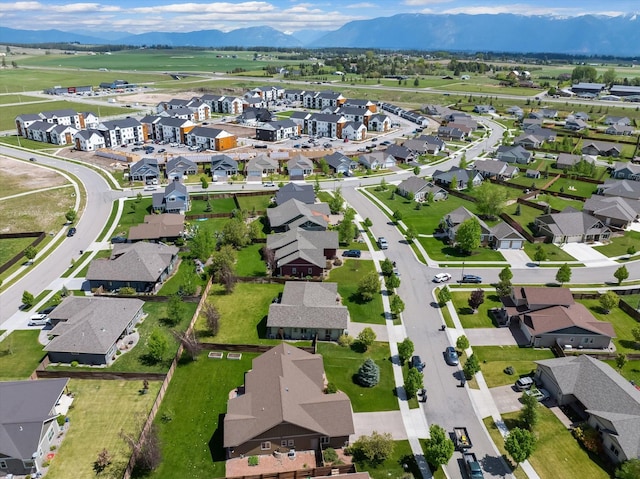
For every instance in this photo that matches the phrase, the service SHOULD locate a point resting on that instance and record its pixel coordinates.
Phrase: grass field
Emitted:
(393, 466)
(440, 251)
(249, 203)
(494, 359)
(23, 177)
(250, 262)
(44, 211)
(618, 245)
(186, 271)
(133, 213)
(622, 324)
(7, 99)
(20, 354)
(342, 363)
(218, 205)
(12, 246)
(482, 318)
(554, 253)
(100, 411)
(347, 277)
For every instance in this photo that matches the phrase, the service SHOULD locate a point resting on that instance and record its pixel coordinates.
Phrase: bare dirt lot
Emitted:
(20, 177)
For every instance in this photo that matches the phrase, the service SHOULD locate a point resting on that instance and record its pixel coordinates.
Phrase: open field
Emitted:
(21, 177)
(20, 353)
(100, 411)
(347, 276)
(41, 211)
(7, 99)
(10, 247)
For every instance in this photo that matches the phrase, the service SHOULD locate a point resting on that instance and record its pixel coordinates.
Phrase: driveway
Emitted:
(490, 337)
(587, 255)
(507, 399)
(385, 421)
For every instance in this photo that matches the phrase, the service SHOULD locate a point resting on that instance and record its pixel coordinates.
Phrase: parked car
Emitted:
(48, 310)
(385, 143)
(32, 159)
(416, 362)
(38, 320)
(441, 277)
(524, 383)
(260, 146)
(118, 239)
(71, 232)
(471, 278)
(161, 150)
(327, 145)
(539, 394)
(270, 184)
(352, 253)
(382, 243)
(451, 356)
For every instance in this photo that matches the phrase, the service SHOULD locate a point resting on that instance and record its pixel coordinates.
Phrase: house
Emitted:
(418, 147)
(535, 115)
(88, 140)
(88, 329)
(484, 109)
(277, 130)
(260, 167)
(622, 130)
(550, 316)
(141, 266)
(613, 211)
(575, 124)
(516, 111)
(452, 133)
(362, 103)
(340, 164)
(626, 171)
(549, 113)
(179, 167)
(298, 167)
(532, 174)
(211, 138)
(379, 160)
(401, 153)
(254, 115)
(504, 236)
(418, 189)
(222, 167)
(301, 119)
(617, 120)
(146, 170)
(295, 214)
(308, 310)
(624, 90)
(379, 122)
(528, 141)
(354, 131)
(623, 188)
(602, 148)
(453, 220)
(459, 176)
(163, 227)
(283, 406)
(174, 199)
(303, 193)
(301, 253)
(500, 170)
(513, 154)
(28, 423)
(571, 226)
(581, 115)
(566, 161)
(610, 401)
(432, 144)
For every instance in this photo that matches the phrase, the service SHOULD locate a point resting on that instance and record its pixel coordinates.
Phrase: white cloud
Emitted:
(361, 5)
(419, 3)
(220, 7)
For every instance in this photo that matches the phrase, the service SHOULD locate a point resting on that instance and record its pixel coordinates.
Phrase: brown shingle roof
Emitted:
(165, 225)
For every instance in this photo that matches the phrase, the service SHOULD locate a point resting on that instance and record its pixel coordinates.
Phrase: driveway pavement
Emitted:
(490, 337)
(517, 258)
(385, 421)
(587, 255)
(507, 399)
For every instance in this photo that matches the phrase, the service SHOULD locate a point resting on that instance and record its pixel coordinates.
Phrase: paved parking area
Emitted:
(507, 399)
(490, 337)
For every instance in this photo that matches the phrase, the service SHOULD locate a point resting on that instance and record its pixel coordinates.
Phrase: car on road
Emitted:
(352, 253)
(32, 159)
(385, 143)
(270, 184)
(297, 145)
(161, 150)
(451, 356)
(38, 320)
(540, 394)
(524, 383)
(416, 362)
(441, 277)
(306, 147)
(150, 187)
(260, 146)
(71, 232)
(382, 243)
(471, 278)
(327, 145)
(118, 239)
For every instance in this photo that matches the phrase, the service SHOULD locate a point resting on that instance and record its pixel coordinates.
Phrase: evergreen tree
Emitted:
(368, 374)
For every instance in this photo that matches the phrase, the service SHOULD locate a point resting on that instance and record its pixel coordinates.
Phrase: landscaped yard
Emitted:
(101, 410)
(438, 250)
(12, 246)
(20, 354)
(186, 272)
(218, 205)
(480, 319)
(250, 262)
(348, 276)
(554, 252)
(249, 203)
(392, 467)
(619, 244)
(133, 213)
(622, 324)
(573, 187)
(342, 363)
(494, 359)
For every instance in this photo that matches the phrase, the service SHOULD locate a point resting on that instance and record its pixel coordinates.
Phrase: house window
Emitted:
(265, 446)
(291, 443)
(50, 434)
(310, 271)
(3, 464)
(325, 440)
(614, 450)
(294, 270)
(283, 443)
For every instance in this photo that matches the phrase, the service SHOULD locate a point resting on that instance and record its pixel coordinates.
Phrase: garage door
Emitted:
(510, 244)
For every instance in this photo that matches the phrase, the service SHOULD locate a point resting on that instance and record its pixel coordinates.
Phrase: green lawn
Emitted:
(347, 276)
(133, 213)
(218, 205)
(622, 324)
(494, 359)
(12, 246)
(481, 319)
(39, 211)
(259, 203)
(630, 371)
(392, 467)
(438, 250)
(526, 217)
(20, 354)
(558, 202)
(186, 272)
(557, 453)
(211, 225)
(342, 363)
(618, 245)
(566, 185)
(243, 314)
(250, 262)
(554, 252)
(100, 411)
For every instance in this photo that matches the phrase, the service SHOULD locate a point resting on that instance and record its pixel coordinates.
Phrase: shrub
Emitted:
(345, 340)
(337, 262)
(253, 460)
(331, 388)
(127, 291)
(330, 455)
(74, 364)
(589, 438)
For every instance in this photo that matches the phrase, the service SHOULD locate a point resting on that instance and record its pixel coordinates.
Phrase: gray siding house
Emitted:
(571, 226)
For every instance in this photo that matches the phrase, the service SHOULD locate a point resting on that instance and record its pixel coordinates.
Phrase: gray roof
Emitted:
(147, 165)
(58, 113)
(504, 230)
(567, 159)
(613, 207)
(302, 193)
(25, 406)
(570, 222)
(180, 163)
(223, 162)
(336, 160)
(327, 117)
(632, 168)
(121, 123)
(624, 188)
(494, 167)
(299, 161)
(205, 132)
(294, 212)
(262, 162)
(461, 174)
(516, 151)
(309, 305)
(413, 184)
(133, 262)
(461, 214)
(399, 151)
(302, 244)
(174, 122)
(91, 325)
(277, 125)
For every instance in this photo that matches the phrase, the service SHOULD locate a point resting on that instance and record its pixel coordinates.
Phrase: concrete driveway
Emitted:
(490, 337)
(385, 421)
(586, 254)
(507, 399)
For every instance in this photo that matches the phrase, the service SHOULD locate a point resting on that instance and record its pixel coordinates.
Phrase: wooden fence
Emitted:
(152, 298)
(248, 348)
(304, 473)
(38, 235)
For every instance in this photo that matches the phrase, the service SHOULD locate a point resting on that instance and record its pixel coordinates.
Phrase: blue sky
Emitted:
(139, 16)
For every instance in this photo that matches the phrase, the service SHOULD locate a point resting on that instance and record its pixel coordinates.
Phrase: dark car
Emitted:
(32, 159)
(118, 239)
(47, 310)
(471, 278)
(451, 356)
(71, 232)
(416, 362)
(161, 150)
(260, 146)
(352, 253)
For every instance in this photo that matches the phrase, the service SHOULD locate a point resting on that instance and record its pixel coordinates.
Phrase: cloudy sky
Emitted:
(139, 16)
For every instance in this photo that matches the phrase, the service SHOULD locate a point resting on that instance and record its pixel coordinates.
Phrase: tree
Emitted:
(368, 286)
(636, 334)
(540, 254)
(202, 244)
(102, 461)
(222, 263)
(416, 82)
(27, 299)
(204, 183)
(175, 310)
(316, 185)
(609, 76)
(520, 444)
(71, 215)
(391, 282)
(157, 346)
(608, 301)
(529, 415)
(397, 216)
(369, 374)
(366, 337)
(416, 170)
(631, 250)
(564, 274)
(146, 453)
(386, 266)
(621, 360)
(629, 469)
(30, 253)
(373, 449)
(490, 200)
(462, 343)
(413, 382)
(411, 233)
(439, 447)
(405, 350)
(429, 198)
(463, 164)
(211, 317)
(347, 228)
(503, 288)
(367, 223)
(189, 342)
(235, 232)
(336, 202)
(396, 305)
(505, 274)
(468, 235)
(476, 298)
(138, 197)
(471, 367)
(621, 274)
(444, 296)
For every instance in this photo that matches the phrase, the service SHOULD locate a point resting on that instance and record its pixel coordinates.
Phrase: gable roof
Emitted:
(613, 207)
(413, 184)
(336, 160)
(295, 212)
(165, 225)
(180, 163)
(302, 193)
(570, 222)
(624, 188)
(133, 262)
(262, 162)
(149, 165)
(461, 174)
(504, 230)
(223, 162)
(494, 167)
(557, 318)
(302, 244)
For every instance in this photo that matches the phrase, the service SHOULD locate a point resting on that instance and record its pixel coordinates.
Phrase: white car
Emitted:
(39, 319)
(539, 394)
(441, 277)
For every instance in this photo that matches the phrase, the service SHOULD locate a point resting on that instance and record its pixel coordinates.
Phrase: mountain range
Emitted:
(584, 35)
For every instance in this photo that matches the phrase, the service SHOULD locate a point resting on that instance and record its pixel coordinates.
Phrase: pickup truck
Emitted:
(462, 438)
(472, 466)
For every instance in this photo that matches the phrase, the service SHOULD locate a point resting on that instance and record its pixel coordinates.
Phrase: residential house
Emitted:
(268, 93)
(141, 266)
(516, 111)
(148, 123)
(179, 167)
(378, 160)
(433, 144)
(28, 421)
(295, 214)
(617, 120)
(620, 130)
(88, 140)
(566, 161)
(303, 193)
(535, 115)
(211, 138)
(379, 123)
(354, 131)
(613, 211)
(62, 135)
(623, 188)
(575, 124)
(298, 167)
(581, 115)
(283, 406)
(571, 226)
(418, 147)
(484, 109)
(549, 113)
(181, 113)
(497, 169)
(451, 133)
(277, 130)
(626, 171)
(174, 199)
(610, 401)
(301, 253)
(602, 148)
(164, 227)
(146, 170)
(514, 154)
(254, 103)
(531, 124)
(64, 117)
(624, 90)
(255, 116)
(124, 131)
(418, 189)
(452, 221)
(261, 166)
(532, 174)
(222, 167)
(461, 176)
(293, 94)
(401, 153)
(23, 122)
(550, 316)
(504, 236)
(88, 329)
(340, 164)
(528, 141)
(308, 310)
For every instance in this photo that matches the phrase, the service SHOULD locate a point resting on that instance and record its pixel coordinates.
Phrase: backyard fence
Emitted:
(248, 348)
(39, 236)
(304, 473)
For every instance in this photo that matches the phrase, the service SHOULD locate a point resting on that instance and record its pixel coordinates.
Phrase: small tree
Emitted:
(386, 266)
(439, 447)
(468, 235)
(520, 444)
(369, 286)
(506, 274)
(629, 469)
(564, 274)
(621, 360)
(175, 310)
(366, 337)
(71, 215)
(471, 367)
(503, 288)
(621, 274)
(367, 223)
(631, 250)
(608, 301)
(102, 461)
(30, 253)
(373, 449)
(636, 334)
(411, 233)
(416, 170)
(392, 282)
(157, 346)
(476, 298)
(540, 254)
(462, 343)
(413, 382)
(336, 202)
(204, 183)
(396, 305)
(27, 299)
(212, 317)
(444, 296)
(397, 216)
(369, 374)
(529, 415)
(405, 350)
(147, 453)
